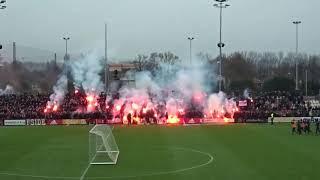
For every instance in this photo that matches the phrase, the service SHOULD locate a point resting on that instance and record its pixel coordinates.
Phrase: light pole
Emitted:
(190, 39)
(2, 7)
(66, 39)
(1, 4)
(67, 66)
(306, 82)
(297, 46)
(106, 72)
(221, 4)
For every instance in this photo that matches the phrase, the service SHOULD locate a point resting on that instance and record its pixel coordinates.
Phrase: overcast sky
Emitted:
(144, 26)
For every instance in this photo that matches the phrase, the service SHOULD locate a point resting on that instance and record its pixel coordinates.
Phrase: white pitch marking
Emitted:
(211, 159)
(85, 172)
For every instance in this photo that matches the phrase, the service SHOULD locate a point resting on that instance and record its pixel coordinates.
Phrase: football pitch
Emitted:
(239, 151)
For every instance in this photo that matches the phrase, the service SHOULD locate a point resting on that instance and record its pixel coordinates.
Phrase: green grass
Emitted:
(240, 152)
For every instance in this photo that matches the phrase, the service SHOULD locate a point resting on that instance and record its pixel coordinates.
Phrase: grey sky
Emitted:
(143, 26)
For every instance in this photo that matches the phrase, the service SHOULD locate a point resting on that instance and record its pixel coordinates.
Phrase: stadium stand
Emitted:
(22, 106)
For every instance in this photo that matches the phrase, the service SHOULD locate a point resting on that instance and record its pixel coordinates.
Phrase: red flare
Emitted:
(144, 110)
(228, 120)
(55, 108)
(173, 120)
(135, 106)
(90, 98)
(118, 107)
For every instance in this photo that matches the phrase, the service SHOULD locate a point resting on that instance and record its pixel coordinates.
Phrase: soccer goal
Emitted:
(103, 148)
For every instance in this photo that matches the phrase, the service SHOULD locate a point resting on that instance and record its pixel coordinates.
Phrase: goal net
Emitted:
(103, 148)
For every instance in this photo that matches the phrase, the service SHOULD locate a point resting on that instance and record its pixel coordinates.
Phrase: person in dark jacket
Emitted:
(317, 127)
(293, 126)
(299, 127)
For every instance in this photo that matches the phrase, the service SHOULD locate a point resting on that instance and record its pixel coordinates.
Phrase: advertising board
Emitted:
(15, 122)
(53, 122)
(289, 119)
(74, 122)
(193, 120)
(35, 122)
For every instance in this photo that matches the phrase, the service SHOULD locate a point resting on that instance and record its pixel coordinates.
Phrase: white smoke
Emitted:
(8, 90)
(59, 91)
(176, 88)
(85, 72)
(170, 90)
(246, 94)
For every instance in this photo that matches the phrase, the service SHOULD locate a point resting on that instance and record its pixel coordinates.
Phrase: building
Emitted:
(120, 75)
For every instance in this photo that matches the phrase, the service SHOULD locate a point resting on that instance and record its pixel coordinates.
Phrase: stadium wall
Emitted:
(1, 122)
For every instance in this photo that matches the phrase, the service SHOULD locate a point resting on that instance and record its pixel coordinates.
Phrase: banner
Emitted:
(254, 121)
(20, 122)
(193, 121)
(289, 119)
(74, 122)
(36, 122)
(99, 121)
(243, 103)
(52, 122)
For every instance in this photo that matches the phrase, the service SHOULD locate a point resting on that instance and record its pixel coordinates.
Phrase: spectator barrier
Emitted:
(1, 122)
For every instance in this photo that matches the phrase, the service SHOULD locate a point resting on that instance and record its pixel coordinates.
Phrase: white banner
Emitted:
(243, 103)
(15, 122)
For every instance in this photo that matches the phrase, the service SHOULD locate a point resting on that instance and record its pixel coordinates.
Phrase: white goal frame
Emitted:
(103, 149)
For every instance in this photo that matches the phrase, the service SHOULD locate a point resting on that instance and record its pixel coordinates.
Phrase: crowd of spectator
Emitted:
(279, 103)
(259, 107)
(31, 106)
(20, 106)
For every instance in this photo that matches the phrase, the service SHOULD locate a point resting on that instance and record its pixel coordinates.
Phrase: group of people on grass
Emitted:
(303, 126)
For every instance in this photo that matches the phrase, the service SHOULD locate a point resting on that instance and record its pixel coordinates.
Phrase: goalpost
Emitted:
(103, 148)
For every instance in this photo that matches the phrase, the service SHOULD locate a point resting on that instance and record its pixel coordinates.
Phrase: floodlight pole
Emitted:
(106, 80)
(2, 7)
(190, 39)
(297, 46)
(1, 4)
(306, 82)
(66, 39)
(221, 4)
